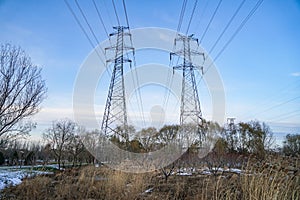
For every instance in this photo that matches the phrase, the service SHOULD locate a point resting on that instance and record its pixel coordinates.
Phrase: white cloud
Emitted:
(295, 74)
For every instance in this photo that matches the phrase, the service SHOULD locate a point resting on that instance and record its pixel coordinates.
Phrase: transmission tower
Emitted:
(230, 123)
(191, 120)
(232, 135)
(114, 121)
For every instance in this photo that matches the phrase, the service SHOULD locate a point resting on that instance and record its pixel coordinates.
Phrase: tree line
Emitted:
(64, 142)
(22, 90)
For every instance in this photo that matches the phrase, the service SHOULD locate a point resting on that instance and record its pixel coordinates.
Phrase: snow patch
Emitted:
(13, 177)
(148, 190)
(184, 174)
(234, 170)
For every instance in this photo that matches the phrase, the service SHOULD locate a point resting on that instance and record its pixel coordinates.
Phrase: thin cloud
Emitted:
(295, 74)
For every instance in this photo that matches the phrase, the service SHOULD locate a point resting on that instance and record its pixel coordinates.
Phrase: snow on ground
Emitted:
(207, 171)
(148, 190)
(234, 170)
(185, 171)
(184, 174)
(12, 176)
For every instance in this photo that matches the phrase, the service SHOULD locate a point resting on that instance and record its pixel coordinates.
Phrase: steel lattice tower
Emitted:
(230, 123)
(190, 112)
(115, 115)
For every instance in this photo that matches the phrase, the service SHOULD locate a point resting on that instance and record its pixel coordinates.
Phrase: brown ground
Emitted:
(270, 181)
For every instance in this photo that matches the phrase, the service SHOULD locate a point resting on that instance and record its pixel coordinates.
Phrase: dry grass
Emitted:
(87, 183)
(269, 180)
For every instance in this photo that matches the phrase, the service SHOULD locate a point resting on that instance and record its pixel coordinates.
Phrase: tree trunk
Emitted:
(58, 161)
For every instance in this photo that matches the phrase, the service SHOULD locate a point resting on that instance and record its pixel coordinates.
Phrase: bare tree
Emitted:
(168, 171)
(46, 153)
(90, 140)
(216, 158)
(59, 136)
(291, 145)
(256, 138)
(22, 90)
(167, 134)
(147, 138)
(75, 147)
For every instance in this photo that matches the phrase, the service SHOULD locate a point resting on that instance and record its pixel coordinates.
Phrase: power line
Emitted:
(210, 21)
(285, 115)
(170, 76)
(126, 16)
(116, 13)
(221, 35)
(135, 82)
(83, 30)
(100, 18)
(90, 28)
(227, 26)
(127, 22)
(169, 81)
(281, 92)
(204, 34)
(192, 15)
(79, 24)
(181, 15)
(239, 28)
(107, 12)
(275, 106)
(250, 14)
(202, 14)
(86, 21)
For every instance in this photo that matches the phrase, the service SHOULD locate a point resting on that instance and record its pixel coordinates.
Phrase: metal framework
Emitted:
(230, 123)
(115, 115)
(190, 111)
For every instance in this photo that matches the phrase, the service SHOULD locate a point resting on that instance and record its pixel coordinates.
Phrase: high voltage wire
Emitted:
(125, 10)
(227, 26)
(275, 106)
(100, 18)
(86, 21)
(224, 30)
(102, 22)
(90, 28)
(201, 16)
(245, 20)
(205, 31)
(79, 24)
(116, 13)
(167, 96)
(138, 95)
(127, 22)
(183, 7)
(107, 12)
(191, 18)
(210, 21)
(169, 81)
(82, 29)
(181, 15)
(257, 5)
(285, 116)
(237, 30)
(267, 101)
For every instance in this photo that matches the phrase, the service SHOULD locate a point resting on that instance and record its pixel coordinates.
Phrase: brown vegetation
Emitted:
(275, 178)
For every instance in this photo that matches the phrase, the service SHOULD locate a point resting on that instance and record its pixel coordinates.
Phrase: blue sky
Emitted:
(260, 68)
